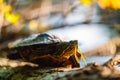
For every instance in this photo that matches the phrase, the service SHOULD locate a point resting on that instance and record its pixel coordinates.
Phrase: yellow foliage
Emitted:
(1, 1)
(1, 6)
(12, 18)
(104, 3)
(115, 4)
(86, 2)
(6, 9)
(112, 4)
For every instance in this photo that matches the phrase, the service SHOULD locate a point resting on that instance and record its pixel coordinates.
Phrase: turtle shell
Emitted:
(43, 38)
(45, 49)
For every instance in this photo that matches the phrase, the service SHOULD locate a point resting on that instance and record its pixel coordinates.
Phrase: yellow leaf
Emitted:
(1, 2)
(86, 2)
(8, 8)
(112, 4)
(12, 18)
(115, 4)
(104, 3)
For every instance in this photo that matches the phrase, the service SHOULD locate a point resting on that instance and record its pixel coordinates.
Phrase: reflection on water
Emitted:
(89, 36)
(97, 59)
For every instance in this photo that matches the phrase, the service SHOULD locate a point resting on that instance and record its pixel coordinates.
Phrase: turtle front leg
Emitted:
(75, 60)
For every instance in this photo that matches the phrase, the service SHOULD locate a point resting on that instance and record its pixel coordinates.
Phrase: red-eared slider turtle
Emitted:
(47, 50)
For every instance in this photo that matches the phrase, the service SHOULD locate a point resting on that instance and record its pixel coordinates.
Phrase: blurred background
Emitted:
(94, 23)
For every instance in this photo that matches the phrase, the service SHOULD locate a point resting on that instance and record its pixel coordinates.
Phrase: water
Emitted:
(99, 60)
(96, 59)
(89, 36)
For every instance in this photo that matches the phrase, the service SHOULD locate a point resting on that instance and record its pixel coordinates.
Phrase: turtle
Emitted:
(47, 50)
